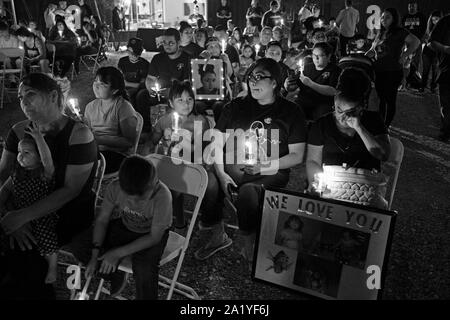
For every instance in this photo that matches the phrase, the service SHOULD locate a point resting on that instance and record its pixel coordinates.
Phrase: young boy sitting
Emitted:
(135, 218)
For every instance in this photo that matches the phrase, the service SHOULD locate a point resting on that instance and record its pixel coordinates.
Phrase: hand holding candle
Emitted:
(73, 103)
(157, 89)
(301, 65)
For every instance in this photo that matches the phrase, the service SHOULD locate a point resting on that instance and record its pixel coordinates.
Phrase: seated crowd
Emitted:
(296, 104)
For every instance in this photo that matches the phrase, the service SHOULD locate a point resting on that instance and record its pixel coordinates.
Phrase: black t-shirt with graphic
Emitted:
(167, 70)
(193, 50)
(255, 20)
(327, 77)
(339, 148)
(133, 72)
(416, 24)
(283, 115)
(441, 34)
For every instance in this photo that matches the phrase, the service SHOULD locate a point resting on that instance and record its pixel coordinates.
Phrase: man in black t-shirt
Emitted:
(223, 13)
(172, 64)
(440, 42)
(134, 68)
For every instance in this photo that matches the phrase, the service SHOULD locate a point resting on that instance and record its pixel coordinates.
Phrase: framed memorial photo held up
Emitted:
(208, 79)
(325, 248)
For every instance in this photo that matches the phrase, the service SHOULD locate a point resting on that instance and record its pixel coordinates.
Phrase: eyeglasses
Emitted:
(169, 43)
(353, 112)
(257, 77)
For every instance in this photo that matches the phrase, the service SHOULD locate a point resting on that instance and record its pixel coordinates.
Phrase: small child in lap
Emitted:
(31, 181)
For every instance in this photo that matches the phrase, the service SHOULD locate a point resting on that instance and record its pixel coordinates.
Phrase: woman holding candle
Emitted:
(317, 83)
(111, 117)
(280, 131)
(350, 134)
(74, 155)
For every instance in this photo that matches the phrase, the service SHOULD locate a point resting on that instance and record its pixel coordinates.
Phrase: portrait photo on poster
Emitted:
(207, 79)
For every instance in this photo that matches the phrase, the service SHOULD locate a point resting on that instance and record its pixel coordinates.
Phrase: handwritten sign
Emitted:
(322, 247)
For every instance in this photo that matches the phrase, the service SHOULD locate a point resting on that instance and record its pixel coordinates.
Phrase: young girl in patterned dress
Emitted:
(31, 181)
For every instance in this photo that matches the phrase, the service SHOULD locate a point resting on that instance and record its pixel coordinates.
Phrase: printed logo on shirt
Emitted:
(325, 75)
(180, 66)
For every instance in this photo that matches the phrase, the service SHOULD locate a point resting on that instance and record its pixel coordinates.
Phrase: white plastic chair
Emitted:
(5, 54)
(186, 178)
(392, 167)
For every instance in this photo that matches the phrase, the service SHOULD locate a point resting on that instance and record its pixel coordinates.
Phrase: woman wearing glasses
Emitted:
(350, 134)
(317, 83)
(269, 139)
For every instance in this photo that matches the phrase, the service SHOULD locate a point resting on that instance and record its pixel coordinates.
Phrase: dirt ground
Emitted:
(420, 256)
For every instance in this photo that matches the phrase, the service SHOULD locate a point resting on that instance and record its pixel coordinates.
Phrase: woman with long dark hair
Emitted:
(270, 132)
(66, 44)
(429, 57)
(387, 51)
(111, 117)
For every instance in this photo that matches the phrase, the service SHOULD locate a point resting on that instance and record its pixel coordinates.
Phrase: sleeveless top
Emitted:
(31, 52)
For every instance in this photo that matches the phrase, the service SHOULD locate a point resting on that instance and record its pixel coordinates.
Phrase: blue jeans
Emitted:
(145, 263)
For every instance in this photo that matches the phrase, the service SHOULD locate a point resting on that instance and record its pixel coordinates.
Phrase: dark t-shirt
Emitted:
(283, 115)
(232, 53)
(389, 50)
(416, 24)
(193, 50)
(166, 69)
(271, 19)
(441, 34)
(134, 72)
(328, 77)
(255, 20)
(223, 11)
(339, 148)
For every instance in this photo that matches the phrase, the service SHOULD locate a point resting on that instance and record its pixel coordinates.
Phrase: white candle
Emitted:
(321, 181)
(282, 21)
(249, 154)
(60, 33)
(73, 103)
(157, 89)
(238, 45)
(257, 47)
(301, 65)
(176, 120)
(223, 45)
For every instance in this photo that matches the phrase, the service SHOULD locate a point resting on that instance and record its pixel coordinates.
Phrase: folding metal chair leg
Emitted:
(99, 289)
(179, 288)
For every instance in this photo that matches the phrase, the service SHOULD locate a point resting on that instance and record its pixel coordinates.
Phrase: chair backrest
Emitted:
(12, 52)
(52, 49)
(139, 125)
(392, 167)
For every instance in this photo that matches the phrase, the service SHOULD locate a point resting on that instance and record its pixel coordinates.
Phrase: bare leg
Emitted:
(52, 260)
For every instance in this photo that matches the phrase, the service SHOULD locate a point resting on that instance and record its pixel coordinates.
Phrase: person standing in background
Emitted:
(272, 17)
(118, 22)
(416, 23)
(86, 11)
(223, 13)
(440, 43)
(254, 14)
(347, 20)
(49, 17)
(305, 12)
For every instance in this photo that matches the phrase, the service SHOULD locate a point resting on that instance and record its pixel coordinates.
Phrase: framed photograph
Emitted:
(325, 248)
(208, 79)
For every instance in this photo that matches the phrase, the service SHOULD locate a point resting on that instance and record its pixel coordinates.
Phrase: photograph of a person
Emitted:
(317, 274)
(207, 79)
(289, 231)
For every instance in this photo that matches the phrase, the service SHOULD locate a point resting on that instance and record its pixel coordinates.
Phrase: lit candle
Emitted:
(60, 33)
(257, 47)
(157, 89)
(321, 183)
(301, 65)
(223, 45)
(249, 154)
(73, 103)
(238, 45)
(282, 21)
(176, 120)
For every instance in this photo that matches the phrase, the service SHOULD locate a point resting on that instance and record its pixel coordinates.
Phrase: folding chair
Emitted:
(186, 178)
(5, 55)
(392, 167)
(96, 58)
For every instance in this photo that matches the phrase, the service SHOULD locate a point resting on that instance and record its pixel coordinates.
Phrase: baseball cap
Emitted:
(136, 45)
